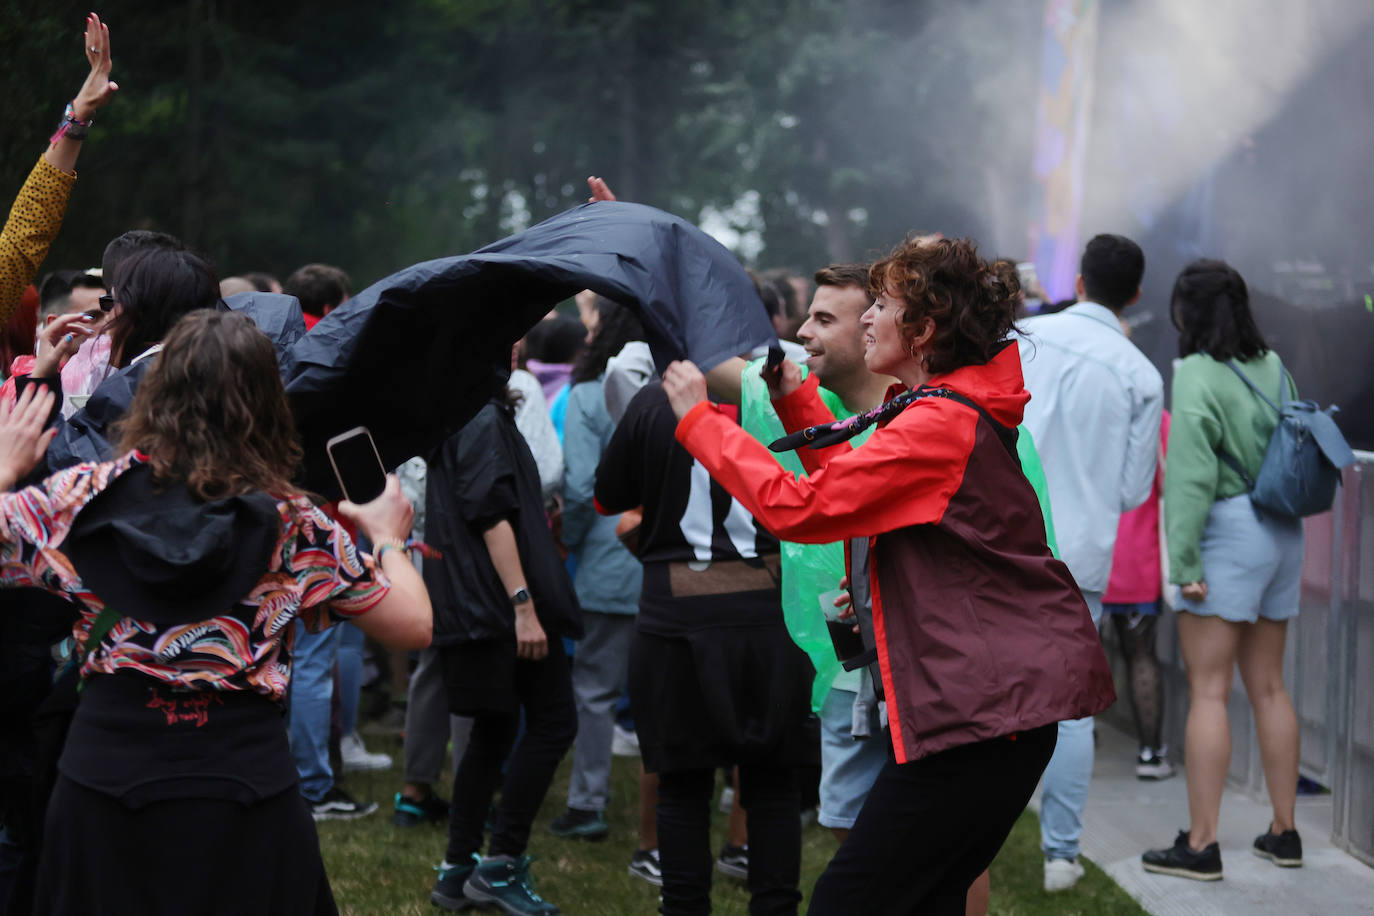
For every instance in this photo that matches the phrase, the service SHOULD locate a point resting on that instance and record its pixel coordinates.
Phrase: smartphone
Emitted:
(357, 465)
(1025, 272)
(775, 356)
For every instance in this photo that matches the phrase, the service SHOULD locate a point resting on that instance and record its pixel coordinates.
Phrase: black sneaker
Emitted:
(575, 824)
(1184, 861)
(505, 882)
(1280, 848)
(448, 888)
(645, 864)
(409, 812)
(338, 806)
(734, 862)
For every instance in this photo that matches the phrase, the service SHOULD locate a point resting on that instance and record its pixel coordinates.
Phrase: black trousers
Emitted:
(769, 796)
(544, 692)
(929, 827)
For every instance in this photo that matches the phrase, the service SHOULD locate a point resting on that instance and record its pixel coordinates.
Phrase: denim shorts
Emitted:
(848, 766)
(1251, 562)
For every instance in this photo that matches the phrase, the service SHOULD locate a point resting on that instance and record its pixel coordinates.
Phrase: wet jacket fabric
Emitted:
(979, 630)
(482, 475)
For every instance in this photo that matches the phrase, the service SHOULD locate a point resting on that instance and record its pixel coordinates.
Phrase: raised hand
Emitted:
(388, 517)
(58, 340)
(98, 88)
(22, 438)
(685, 386)
(600, 190)
(783, 380)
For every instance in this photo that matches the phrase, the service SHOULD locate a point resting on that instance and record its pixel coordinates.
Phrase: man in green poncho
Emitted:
(833, 339)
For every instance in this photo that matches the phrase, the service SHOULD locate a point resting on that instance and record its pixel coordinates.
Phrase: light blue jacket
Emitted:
(1094, 411)
(608, 576)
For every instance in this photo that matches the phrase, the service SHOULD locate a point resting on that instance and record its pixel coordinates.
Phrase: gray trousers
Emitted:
(598, 679)
(429, 727)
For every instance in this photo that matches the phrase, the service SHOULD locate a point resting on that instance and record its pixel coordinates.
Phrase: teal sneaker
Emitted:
(505, 882)
(574, 824)
(448, 888)
(408, 812)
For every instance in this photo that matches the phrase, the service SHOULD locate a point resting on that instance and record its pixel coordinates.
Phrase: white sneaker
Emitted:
(356, 756)
(1150, 765)
(624, 743)
(1062, 874)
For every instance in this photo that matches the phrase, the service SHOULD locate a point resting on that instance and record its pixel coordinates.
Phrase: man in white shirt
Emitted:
(1094, 412)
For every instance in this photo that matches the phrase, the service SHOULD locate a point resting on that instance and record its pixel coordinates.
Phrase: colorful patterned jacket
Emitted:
(315, 574)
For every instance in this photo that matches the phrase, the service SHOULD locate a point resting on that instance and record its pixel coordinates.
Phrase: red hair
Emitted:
(17, 337)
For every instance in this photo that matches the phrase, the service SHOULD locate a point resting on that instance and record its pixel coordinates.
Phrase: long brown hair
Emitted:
(212, 412)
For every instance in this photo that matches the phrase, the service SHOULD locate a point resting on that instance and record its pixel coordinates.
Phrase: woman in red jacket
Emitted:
(982, 639)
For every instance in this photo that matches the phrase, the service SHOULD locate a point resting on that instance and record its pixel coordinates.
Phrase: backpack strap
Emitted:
(1234, 465)
(1283, 376)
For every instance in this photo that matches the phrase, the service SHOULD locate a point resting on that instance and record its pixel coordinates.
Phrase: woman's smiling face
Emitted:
(884, 344)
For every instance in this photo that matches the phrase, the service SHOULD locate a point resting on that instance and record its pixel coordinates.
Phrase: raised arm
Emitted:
(36, 216)
(888, 484)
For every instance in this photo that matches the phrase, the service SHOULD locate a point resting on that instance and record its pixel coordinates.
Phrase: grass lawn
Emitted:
(376, 868)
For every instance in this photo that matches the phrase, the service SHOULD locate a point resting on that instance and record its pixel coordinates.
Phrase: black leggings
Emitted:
(930, 827)
(544, 689)
(1136, 634)
(770, 799)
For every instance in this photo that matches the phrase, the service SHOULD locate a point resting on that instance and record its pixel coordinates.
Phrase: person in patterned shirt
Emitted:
(187, 560)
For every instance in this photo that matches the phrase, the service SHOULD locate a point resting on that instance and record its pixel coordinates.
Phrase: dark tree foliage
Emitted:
(372, 136)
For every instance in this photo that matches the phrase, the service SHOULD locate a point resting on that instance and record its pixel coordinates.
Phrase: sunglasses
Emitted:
(106, 302)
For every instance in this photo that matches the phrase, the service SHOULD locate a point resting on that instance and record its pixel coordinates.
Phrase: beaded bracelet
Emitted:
(401, 546)
(71, 127)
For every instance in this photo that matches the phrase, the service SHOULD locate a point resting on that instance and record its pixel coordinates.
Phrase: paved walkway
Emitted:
(1125, 816)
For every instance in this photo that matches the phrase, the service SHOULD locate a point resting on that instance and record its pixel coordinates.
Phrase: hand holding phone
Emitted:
(357, 465)
(386, 518)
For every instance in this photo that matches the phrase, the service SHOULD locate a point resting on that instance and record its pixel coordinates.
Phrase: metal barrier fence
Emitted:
(1328, 666)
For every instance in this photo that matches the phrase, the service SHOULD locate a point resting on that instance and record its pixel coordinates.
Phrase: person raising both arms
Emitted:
(994, 646)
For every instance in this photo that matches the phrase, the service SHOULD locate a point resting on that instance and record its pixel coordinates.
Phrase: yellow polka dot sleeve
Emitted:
(34, 220)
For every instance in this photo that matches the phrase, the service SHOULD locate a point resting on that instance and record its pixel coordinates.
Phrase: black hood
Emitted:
(164, 556)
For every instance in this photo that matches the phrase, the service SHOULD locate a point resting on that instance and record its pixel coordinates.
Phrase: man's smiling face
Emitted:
(832, 335)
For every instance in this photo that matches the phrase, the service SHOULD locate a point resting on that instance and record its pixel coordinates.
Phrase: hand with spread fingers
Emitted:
(98, 88)
(22, 437)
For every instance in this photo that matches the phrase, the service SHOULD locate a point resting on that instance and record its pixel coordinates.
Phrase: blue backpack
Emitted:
(1303, 462)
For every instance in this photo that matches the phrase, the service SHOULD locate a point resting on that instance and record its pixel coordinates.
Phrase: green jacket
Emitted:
(1212, 408)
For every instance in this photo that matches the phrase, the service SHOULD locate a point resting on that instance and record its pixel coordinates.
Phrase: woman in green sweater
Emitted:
(1239, 568)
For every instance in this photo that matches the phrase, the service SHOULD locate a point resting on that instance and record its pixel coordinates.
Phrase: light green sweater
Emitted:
(1213, 408)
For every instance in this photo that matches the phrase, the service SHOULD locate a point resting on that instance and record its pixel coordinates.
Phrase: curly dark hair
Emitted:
(212, 412)
(618, 326)
(972, 302)
(1210, 306)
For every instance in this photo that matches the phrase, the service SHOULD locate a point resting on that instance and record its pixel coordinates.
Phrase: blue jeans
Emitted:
(1064, 792)
(312, 691)
(351, 644)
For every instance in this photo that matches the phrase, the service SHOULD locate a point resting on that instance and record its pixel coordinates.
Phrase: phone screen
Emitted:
(357, 465)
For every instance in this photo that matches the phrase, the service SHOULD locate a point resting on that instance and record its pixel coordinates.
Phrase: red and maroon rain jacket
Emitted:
(980, 631)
